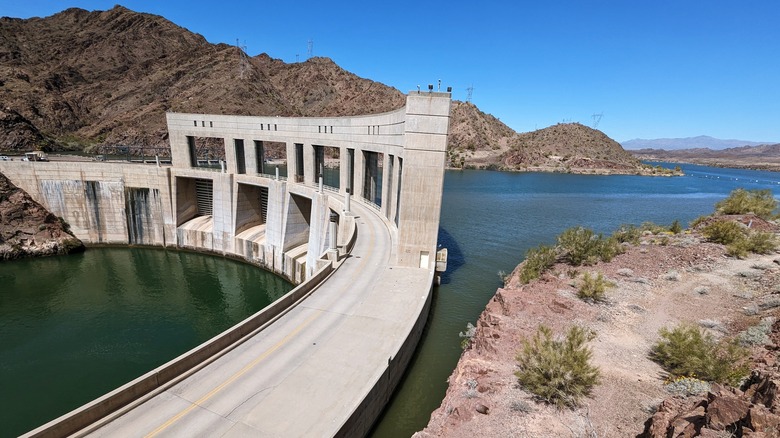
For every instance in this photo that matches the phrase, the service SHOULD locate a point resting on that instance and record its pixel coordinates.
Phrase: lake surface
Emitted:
(490, 219)
(73, 328)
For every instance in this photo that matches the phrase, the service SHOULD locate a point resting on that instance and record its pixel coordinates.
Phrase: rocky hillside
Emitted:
(763, 157)
(569, 147)
(27, 229)
(84, 78)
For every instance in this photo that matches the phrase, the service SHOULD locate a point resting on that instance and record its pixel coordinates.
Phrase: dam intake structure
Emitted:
(377, 223)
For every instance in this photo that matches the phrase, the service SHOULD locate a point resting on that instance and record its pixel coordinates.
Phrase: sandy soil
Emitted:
(659, 283)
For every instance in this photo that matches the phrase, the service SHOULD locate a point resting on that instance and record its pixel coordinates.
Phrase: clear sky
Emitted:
(654, 69)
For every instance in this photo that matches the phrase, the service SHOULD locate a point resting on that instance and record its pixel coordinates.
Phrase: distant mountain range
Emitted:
(700, 142)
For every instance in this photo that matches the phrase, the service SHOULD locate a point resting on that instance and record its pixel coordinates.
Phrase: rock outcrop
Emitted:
(751, 411)
(27, 229)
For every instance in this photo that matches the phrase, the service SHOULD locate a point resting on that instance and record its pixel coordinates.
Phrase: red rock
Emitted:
(725, 411)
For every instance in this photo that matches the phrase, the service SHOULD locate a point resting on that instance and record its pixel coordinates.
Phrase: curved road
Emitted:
(308, 372)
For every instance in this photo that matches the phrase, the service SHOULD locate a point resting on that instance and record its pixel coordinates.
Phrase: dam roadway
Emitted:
(314, 365)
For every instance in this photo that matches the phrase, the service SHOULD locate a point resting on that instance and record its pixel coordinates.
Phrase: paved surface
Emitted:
(306, 374)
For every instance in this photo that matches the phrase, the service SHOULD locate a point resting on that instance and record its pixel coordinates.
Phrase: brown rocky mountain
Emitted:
(765, 157)
(27, 229)
(79, 79)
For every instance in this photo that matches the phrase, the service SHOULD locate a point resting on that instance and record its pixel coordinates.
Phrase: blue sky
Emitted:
(662, 68)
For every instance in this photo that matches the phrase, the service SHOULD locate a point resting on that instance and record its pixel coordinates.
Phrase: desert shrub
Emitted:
(465, 336)
(723, 232)
(761, 242)
(653, 227)
(698, 221)
(593, 288)
(675, 227)
(627, 233)
(558, 370)
(757, 334)
(608, 248)
(740, 201)
(686, 351)
(756, 242)
(537, 261)
(581, 246)
(686, 386)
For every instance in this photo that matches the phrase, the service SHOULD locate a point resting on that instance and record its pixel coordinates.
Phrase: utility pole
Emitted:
(469, 92)
(310, 48)
(597, 119)
(243, 62)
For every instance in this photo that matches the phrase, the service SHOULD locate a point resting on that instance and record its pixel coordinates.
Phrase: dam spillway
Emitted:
(292, 226)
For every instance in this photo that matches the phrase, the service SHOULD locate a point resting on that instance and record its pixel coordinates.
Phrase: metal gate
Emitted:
(204, 193)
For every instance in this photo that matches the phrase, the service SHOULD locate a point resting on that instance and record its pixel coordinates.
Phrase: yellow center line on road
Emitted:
(235, 376)
(258, 359)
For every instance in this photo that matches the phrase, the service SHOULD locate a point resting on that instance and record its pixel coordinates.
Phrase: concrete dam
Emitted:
(324, 359)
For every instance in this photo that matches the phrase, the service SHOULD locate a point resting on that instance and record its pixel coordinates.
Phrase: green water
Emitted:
(75, 327)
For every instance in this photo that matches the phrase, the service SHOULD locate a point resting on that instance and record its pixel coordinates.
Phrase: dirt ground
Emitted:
(661, 282)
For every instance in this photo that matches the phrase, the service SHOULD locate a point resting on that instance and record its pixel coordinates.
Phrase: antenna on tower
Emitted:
(597, 119)
(243, 62)
(469, 92)
(310, 48)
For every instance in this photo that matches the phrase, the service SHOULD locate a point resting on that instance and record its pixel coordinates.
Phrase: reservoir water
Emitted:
(156, 304)
(75, 327)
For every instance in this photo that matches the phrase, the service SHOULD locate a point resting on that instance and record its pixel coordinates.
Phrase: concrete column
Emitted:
(392, 202)
(180, 154)
(425, 141)
(359, 170)
(344, 170)
(251, 157)
(223, 212)
(387, 182)
(291, 161)
(230, 155)
(309, 172)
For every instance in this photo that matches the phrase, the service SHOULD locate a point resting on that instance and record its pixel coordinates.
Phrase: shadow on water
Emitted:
(455, 257)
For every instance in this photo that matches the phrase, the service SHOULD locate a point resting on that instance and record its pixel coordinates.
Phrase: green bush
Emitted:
(675, 227)
(723, 232)
(761, 242)
(594, 288)
(740, 201)
(686, 351)
(558, 370)
(582, 246)
(537, 261)
(627, 233)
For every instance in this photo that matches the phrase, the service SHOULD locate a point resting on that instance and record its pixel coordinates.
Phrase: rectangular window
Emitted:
(240, 158)
(195, 122)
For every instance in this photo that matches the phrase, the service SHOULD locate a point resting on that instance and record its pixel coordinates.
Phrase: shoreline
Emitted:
(664, 280)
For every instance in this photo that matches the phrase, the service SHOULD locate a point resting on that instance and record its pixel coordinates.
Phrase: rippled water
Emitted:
(75, 327)
(489, 220)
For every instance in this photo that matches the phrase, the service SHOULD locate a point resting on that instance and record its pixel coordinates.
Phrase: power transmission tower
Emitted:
(469, 92)
(310, 48)
(597, 119)
(243, 62)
